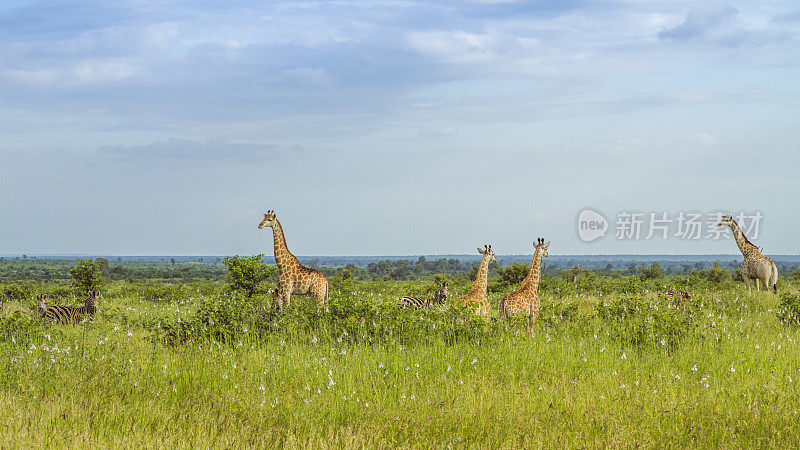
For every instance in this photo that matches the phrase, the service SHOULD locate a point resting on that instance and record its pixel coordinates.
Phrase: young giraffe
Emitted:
(526, 298)
(477, 295)
(293, 277)
(755, 265)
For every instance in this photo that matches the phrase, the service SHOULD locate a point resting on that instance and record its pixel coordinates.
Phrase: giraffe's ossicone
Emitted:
(293, 277)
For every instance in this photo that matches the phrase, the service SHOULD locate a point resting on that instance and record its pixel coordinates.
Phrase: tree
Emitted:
(246, 273)
(172, 261)
(513, 273)
(652, 272)
(716, 274)
(103, 264)
(86, 276)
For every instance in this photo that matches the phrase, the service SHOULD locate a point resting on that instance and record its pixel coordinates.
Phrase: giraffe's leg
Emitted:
(758, 284)
(319, 290)
(534, 317)
(747, 283)
(285, 294)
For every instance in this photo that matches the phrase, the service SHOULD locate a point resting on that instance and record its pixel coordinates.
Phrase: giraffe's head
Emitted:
(726, 221)
(487, 251)
(541, 245)
(269, 220)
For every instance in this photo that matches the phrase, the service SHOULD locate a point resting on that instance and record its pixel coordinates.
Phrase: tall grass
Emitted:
(206, 370)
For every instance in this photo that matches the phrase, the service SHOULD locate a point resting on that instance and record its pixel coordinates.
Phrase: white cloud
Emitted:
(437, 132)
(305, 76)
(458, 46)
(100, 71)
(703, 139)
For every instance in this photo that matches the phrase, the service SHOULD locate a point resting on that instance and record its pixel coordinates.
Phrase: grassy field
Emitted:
(196, 367)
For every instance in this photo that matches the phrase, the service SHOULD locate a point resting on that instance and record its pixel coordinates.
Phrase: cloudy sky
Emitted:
(393, 127)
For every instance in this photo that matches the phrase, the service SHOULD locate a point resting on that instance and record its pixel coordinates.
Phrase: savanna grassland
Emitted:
(612, 363)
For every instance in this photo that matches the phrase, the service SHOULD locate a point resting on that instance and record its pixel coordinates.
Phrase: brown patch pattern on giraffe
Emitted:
(477, 295)
(755, 266)
(293, 277)
(525, 300)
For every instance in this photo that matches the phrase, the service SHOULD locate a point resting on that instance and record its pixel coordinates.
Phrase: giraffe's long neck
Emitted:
(745, 246)
(532, 280)
(480, 281)
(283, 257)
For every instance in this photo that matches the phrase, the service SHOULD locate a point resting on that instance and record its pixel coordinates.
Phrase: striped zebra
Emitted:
(68, 314)
(439, 298)
(41, 302)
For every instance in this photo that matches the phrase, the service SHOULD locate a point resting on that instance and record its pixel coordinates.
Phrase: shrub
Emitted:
(246, 273)
(86, 276)
(348, 319)
(513, 273)
(19, 290)
(789, 310)
(652, 272)
(639, 325)
(716, 274)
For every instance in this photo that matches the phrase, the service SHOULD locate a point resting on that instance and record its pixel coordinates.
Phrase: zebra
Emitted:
(41, 302)
(68, 314)
(678, 295)
(277, 300)
(439, 298)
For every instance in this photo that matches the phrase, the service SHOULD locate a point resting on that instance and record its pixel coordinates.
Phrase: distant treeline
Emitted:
(212, 268)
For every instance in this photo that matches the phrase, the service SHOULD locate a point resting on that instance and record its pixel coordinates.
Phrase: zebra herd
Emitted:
(59, 313)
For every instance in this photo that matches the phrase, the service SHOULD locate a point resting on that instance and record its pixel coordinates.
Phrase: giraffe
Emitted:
(293, 277)
(526, 299)
(477, 295)
(755, 265)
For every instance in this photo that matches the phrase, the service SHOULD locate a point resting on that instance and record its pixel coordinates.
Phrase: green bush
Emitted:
(513, 273)
(246, 273)
(19, 290)
(789, 310)
(350, 318)
(716, 274)
(637, 324)
(86, 276)
(652, 272)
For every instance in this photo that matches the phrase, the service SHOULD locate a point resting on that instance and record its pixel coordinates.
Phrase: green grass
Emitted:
(731, 380)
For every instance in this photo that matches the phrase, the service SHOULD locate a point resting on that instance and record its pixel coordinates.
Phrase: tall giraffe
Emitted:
(477, 295)
(755, 265)
(293, 277)
(526, 298)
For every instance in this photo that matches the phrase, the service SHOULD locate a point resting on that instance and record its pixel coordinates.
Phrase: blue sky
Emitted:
(392, 127)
